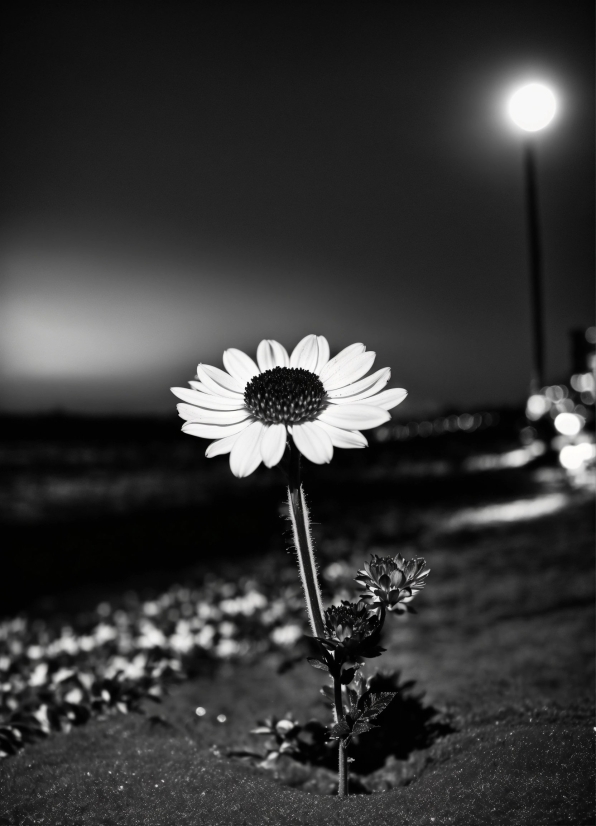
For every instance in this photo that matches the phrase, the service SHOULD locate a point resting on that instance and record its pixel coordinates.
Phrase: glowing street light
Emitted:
(532, 107)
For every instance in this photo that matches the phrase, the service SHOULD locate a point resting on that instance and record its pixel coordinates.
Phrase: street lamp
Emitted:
(532, 107)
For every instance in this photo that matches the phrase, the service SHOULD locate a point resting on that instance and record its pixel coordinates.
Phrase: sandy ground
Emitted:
(502, 648)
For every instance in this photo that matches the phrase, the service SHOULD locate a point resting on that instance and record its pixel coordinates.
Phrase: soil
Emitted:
(501, 653)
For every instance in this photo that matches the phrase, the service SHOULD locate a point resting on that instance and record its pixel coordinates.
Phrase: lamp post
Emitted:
(532, 108)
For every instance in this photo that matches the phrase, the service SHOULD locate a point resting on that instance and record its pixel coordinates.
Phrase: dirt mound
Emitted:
(129, 772)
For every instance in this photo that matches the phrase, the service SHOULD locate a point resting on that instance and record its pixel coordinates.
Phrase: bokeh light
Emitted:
(568, 424)
(536, 406)
(532, 107)
(574, 457)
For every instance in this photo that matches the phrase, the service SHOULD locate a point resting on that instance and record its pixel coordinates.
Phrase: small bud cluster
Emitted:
(392, 582)
(352, 631)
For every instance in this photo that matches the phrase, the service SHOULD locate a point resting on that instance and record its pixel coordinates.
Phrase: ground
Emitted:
(501, 649)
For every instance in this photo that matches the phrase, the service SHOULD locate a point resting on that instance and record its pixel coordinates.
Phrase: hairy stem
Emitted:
(312, 593)
(304, 546)
(343, 790)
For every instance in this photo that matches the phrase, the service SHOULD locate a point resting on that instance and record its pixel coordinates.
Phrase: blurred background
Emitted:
(181, 178)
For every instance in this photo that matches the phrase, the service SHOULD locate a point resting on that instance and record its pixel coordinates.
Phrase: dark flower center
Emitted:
(286, 395)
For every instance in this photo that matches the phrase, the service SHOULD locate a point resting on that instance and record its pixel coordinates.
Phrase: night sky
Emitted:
(179, 178)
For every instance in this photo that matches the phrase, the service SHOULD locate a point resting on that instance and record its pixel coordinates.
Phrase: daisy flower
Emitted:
(250, 408)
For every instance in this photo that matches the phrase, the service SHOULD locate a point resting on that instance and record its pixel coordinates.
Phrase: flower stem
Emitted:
(312, 592)
(304, 546)
(343, 790)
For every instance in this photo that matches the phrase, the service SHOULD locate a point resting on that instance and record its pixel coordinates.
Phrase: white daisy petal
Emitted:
(221, 446)
(363, 388)
(202, 388)
(222, 417)
(273, 444)
(219, 382)
(214, 431)
(272, 354)
(245, 456)
(313, 442)
(305, 354)
(354, 416)
(350, 371)
(239, 365)
(324, 354)
(343, 438)
(339, 360)
(207, 400)
(387, 399)
(265, 358)
(214, 407)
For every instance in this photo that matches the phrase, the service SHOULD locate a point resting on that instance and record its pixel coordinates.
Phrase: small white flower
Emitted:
(320, 402)
(286, 635)
(39, 674)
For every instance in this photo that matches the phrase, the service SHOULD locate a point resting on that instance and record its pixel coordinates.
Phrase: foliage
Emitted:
(391, 713)
(55, 675)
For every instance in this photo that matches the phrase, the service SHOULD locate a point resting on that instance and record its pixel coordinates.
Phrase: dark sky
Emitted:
(184, 177)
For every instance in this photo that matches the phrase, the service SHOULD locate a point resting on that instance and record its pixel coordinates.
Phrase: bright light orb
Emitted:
(573, 457)
(532, 107)
(569, 424)
(536, 406)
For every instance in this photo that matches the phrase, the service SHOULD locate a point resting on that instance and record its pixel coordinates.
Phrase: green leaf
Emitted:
(317, 663)
(378, 703)
(362, 726)
(354, 716)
